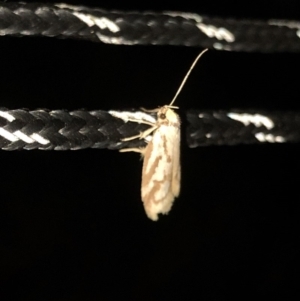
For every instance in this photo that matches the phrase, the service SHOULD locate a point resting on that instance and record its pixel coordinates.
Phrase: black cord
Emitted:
(62, 130)
(148, 28)
(241, 127)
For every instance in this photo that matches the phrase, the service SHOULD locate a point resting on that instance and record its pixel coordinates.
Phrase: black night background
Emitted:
(72, 224)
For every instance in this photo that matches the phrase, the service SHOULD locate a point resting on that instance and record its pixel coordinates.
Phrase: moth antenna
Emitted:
(187, 75)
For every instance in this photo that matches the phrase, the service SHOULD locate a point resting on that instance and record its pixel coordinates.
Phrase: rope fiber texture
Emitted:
(148, 28)
(63, 130)
(241, 127)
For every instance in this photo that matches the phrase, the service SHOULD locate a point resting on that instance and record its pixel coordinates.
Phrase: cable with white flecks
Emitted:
(80, 129)
(148, 28)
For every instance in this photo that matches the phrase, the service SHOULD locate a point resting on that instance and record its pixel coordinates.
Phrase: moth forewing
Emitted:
(176, 176)
(161, 168)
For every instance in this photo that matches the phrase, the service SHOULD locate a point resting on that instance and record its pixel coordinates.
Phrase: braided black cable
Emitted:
(241, 127)
(148, 28)
(63, 130)
(23, 19)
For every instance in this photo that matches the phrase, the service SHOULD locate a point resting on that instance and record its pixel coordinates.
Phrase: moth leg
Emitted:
(156, 110)
(132, 137)
(140, 121)
(142, 134)
(150, 111)
(134, 149)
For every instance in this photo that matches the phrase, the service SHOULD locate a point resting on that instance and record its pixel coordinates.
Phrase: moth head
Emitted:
(165, 113)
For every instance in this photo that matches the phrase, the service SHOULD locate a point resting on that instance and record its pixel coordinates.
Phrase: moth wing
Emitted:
(161, 171)
(176, 175)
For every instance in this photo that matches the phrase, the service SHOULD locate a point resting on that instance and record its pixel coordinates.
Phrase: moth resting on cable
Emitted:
(161, 167)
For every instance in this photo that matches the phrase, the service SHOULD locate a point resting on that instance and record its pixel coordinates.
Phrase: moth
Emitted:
(161, 172)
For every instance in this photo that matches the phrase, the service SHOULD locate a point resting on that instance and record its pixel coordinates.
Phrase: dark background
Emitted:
(72, 225)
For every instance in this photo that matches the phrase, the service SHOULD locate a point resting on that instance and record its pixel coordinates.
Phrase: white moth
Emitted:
(161, 168)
